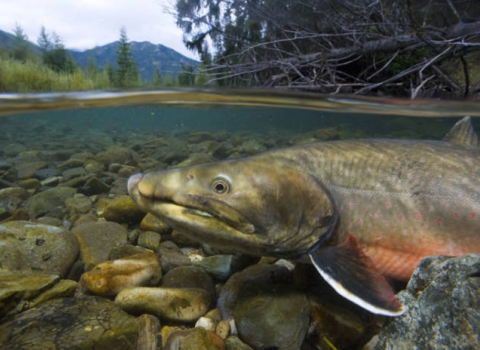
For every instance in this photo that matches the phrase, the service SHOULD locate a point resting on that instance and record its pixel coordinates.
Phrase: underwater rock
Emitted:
(32, 246)
(234, 343)
(252, 276)
(272, 316)
(43, 174)
(124, 250)
(71, 173)
(78, 204)
(19, 288)
(28, 169)
(110, 277)
(96, 239)
(326, 134)
(200, 136)
(46, 201)
(123, 209)
(93, 166)
(149, 240)
(71, 323)
(10, 199)
(195, 338)
(333, 324)
(443, 307)
(12, 149)
(94, 185)
(148, 330)
(196, 158)
(219, 266)
(172, 304)
(152, 223)
(251, 147)
(172, 257)
(71, 163)
(189, 277)
(118, 154)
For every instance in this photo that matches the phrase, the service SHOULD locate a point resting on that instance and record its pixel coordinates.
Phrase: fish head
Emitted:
(249, 206)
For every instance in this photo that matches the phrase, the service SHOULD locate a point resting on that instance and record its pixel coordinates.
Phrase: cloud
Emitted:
(83, 24)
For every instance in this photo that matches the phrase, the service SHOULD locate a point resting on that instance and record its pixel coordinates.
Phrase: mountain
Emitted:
(148, 56)
(7, 41)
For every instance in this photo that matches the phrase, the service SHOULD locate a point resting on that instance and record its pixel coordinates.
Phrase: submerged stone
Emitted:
(31, 246)
(194, 339)
(123, 209)
(71, 323)
(173, 304)
(96, 239)
(443, 307)
(46, 201)
(110, 277)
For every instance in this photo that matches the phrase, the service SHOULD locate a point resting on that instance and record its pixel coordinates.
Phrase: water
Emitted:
(53, 140)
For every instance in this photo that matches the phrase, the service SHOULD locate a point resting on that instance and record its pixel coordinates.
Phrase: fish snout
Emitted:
(133, 181)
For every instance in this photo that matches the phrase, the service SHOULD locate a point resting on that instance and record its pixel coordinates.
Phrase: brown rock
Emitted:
(194, 339)
(110, 277)
(152, 223)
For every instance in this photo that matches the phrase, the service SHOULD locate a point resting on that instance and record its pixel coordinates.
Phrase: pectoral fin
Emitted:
(352, 274)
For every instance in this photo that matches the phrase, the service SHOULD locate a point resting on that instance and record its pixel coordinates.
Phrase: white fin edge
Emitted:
(352, 297)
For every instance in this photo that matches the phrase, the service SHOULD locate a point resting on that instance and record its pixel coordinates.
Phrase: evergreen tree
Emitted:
(187, 76)
(110, 73)
(157, 78)
(54, 54)
(21, 49)
(92, 69)
(126, 74)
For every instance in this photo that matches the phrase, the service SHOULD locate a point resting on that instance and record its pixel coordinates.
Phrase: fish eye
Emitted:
(220, 186)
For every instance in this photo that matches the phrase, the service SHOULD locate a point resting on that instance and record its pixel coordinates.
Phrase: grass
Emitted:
(33, 76)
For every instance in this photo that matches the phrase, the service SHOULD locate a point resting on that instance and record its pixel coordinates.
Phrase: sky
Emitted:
(84, 24)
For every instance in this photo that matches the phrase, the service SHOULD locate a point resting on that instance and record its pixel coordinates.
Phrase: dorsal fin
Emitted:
(462, 133)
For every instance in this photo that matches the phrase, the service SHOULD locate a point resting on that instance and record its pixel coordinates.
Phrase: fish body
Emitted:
(361, 209)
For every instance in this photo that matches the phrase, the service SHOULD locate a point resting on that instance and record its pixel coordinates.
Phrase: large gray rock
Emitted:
(443, 301)
(27, 246)
(71, 323)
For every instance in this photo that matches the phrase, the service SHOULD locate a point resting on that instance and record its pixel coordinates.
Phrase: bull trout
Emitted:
(362, 210)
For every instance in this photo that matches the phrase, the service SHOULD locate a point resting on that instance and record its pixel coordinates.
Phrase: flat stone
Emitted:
(110, 277)
(172, 304)
(31, 246)
(71, 323)
(96, 239)
(17, 289)
(28, 169)
(44, 202)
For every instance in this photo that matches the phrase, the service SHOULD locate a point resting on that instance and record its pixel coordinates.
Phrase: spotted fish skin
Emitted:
(361, 209)
(403, 200)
